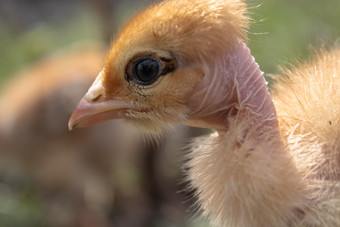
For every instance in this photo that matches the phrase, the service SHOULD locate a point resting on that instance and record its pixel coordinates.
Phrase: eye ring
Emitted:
(144, 70)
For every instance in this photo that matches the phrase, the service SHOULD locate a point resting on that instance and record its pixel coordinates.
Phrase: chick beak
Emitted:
(94, 109)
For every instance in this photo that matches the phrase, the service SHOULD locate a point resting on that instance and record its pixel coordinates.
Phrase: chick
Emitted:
(186, 62)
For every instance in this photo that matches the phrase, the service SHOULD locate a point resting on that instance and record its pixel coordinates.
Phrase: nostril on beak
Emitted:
(94, 94)
(96, 91)
(95, 99)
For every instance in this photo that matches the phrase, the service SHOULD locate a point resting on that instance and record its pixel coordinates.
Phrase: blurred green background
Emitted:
(283, 31)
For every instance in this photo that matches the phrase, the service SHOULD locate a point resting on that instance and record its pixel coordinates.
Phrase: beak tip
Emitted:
(70, 125)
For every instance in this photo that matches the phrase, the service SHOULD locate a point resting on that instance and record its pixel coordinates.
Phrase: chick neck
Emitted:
(233, 81)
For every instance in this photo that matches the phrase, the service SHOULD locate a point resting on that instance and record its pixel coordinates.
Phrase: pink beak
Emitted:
(92, 113)
(93, 109)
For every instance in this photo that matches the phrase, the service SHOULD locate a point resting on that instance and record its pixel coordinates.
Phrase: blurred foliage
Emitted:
(19, 49)
(287, 30)
(20, 207)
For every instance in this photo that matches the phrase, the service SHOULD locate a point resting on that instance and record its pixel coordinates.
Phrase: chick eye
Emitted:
(147, 70)
(144, 70)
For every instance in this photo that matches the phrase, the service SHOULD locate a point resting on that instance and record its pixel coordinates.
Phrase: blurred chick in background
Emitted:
(34, 143)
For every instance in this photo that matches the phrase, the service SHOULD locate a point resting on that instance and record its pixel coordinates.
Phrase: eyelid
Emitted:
(169, 66)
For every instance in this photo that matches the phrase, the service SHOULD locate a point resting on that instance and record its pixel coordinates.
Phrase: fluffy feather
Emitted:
(292, 180)
(308, 103)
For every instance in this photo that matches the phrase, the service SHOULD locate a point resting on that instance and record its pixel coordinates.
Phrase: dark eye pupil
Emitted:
(147, 70)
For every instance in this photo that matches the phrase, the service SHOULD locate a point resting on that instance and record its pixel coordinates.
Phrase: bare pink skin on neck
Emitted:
(232, 81)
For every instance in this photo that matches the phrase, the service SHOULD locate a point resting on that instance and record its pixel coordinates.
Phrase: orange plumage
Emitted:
(186, 62)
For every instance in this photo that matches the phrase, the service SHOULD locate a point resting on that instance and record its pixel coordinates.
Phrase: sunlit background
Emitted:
(50, 52)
